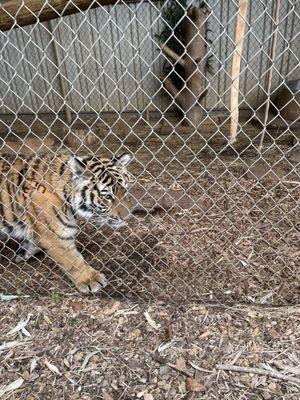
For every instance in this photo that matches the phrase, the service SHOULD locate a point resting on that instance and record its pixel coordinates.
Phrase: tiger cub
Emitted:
(43, 196)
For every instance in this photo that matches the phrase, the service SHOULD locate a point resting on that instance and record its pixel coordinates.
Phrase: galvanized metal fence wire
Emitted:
(210, 221)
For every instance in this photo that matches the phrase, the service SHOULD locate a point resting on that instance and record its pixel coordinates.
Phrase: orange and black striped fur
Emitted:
(42, 197)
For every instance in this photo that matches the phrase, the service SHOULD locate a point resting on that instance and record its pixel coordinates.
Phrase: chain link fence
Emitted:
(211, 221)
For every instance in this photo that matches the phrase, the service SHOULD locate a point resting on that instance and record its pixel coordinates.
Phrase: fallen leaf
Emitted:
(148, 396)
(106, 395)
(192, 385)
(202, 309)
(47, 319)
(205, 334)
(25, 332)
(52, 368)
(272, 386)
(164, 346)
(33, 365)
(255, 332)
(135, 333)
(8, 345)
(26, 375)
(127, 311)
(110, 310)
(168, 334)
(266, 395)
(180, 363)
(252, 314)
(150, 321)
(21, 326)
(8, 297)
(77, 305)
(11, 387)
(87, 359)
(182, 387)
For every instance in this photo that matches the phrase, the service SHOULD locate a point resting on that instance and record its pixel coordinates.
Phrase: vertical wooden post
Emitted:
(270, 73)
(236, 68)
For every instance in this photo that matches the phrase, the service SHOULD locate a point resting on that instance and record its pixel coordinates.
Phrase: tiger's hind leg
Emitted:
(26, 251)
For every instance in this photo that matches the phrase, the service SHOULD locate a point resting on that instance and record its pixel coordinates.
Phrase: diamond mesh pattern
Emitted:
(210, 221)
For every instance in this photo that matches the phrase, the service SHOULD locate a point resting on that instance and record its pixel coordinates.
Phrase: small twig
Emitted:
(161, 360)
(287, 368)
(292, 182)
(169, 52)
(258, 371)
(169, 85)
(208, 371)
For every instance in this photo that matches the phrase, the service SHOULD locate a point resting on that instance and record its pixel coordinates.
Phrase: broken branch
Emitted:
(258, 371)
(169, 52)
(161, 360)
(171, 88)
(16, 13)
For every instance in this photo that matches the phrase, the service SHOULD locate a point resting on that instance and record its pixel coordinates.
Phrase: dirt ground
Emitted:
(85, 349)
(229, 232)
(206, 272)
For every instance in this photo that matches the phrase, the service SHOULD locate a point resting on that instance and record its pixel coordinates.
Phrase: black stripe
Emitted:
(96, 166)
(34, 168)
(66, 194)
(84, 208)
(92, 197)
(21, 177)
(82, 162)
(107, 179)
(84, 194)
(62, 168)
(66, 224)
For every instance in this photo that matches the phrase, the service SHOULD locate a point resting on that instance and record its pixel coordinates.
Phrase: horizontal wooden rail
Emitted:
(15, 13)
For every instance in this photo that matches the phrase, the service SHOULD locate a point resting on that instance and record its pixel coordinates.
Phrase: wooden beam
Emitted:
(15, 13)
(236, 68)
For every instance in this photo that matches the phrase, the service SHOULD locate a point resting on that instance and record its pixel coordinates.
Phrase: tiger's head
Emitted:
(99, 189)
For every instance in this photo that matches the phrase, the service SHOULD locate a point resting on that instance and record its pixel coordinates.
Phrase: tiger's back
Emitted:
(16, 176)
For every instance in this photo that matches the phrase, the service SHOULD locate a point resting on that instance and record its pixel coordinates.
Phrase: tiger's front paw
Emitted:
(90, 281)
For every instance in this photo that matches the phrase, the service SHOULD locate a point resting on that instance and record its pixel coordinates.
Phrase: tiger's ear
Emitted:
(79, 167)
(124, 159)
